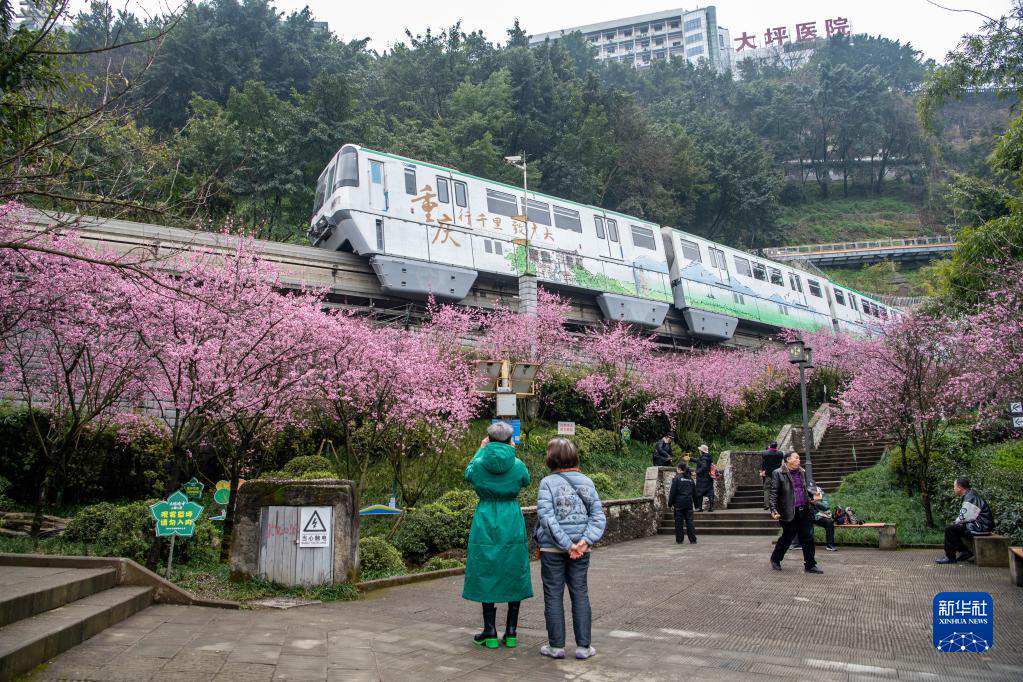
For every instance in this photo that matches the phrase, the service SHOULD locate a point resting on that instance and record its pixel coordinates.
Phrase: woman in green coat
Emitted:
(497, 567)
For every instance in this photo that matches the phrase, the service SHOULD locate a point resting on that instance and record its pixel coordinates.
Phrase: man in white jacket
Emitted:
(975, 518)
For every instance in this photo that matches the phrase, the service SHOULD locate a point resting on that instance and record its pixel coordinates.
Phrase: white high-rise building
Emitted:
(691, 34)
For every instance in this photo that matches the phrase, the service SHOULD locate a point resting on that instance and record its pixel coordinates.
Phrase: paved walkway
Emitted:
(661, 611)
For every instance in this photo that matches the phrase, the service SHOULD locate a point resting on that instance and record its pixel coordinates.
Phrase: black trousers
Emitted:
(800, 526)
(684, 514)
(957, 539)
(698, 501)
(829, 530)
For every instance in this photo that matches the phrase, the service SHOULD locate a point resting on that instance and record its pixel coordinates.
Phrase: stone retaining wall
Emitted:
(626, 520)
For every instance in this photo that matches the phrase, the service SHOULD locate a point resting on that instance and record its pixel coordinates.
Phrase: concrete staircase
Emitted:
(838, 454)
(47, 610)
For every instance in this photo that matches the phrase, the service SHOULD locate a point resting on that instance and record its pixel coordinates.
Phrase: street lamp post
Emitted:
(527, 279)
(801, 355)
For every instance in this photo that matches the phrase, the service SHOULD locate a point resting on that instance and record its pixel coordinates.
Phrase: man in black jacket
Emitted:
(680, 497)
(662, 452)
(770, 459)
(792, 501)
(704, 481)
(975, 518)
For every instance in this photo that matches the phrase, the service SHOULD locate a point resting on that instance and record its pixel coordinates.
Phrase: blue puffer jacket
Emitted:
(561, 515)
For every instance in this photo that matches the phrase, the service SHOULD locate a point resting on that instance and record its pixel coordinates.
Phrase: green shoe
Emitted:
(485, 640)
(510, 641)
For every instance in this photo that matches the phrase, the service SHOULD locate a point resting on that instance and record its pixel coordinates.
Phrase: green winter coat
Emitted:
(497, 566)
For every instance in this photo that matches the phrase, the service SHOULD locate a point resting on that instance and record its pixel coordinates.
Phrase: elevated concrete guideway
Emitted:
(910, 249)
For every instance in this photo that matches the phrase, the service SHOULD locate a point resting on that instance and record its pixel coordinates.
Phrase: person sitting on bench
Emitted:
(974, 518)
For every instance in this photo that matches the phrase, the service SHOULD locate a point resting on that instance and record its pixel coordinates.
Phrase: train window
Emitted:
(690, 250)
(884, 313)
(643, 238)
(498, 248)
(376, 172)
(795, 282)
(737, 297)
(776, 277)
(538, 211)
(840, 297)
(443, 190)
(783, 309)
(852, 301)
(598, 223)
(488, 246)
(612, 229)
(349, 175)
(321, 186)
(759, 272)
(502, 203)
(410, 181)
(545, 256)
(717, 259)
(742, 266)
(330, 180)
(567, 219)
(815, 288)
(461, 198)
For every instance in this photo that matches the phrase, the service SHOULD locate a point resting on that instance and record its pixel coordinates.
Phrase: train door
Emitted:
(378, 198)
(608, 237)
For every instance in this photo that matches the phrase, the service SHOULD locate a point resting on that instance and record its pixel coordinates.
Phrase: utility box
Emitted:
(296, 532)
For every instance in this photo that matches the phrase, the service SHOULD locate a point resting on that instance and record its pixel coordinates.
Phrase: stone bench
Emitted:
(990, 550)
(886, 537)
(1016, 565)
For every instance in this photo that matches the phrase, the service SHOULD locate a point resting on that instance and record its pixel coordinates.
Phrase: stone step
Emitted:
(724, 514)
(737, 530)
(29, 642)
(30, 590)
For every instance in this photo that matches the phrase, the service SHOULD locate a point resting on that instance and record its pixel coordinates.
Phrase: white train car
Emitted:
(429, 230)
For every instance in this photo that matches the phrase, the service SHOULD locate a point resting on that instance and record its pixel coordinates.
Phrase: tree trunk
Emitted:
(925, 498)
(225, 538)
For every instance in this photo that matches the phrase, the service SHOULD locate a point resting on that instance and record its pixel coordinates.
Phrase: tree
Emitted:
(909, 387)
(617, 357)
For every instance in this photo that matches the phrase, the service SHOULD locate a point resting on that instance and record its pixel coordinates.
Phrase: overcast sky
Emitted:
(928, 28)
(931, 29)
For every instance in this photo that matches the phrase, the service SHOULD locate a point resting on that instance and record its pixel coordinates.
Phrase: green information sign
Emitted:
(175, 516)
(222, 493)
(193, 489)
(626, 433)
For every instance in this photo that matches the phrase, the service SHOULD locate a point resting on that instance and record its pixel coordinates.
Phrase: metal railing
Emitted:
(839, 247)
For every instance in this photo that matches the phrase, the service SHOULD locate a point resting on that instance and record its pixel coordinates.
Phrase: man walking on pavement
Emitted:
(680, 497)
(792, 506)
(770, 459)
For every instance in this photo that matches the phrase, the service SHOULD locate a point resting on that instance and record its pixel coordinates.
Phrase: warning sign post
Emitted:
(314, 527)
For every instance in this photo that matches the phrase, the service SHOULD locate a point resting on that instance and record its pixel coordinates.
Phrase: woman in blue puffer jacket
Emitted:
(569, 521)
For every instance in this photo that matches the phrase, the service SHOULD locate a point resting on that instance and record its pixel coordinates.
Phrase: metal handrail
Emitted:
(858, 245)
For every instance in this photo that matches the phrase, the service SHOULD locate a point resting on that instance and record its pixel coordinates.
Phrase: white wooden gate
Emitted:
(281, 559)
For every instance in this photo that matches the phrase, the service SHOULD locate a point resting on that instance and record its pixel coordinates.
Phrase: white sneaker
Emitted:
(552, 652)
(583, 653)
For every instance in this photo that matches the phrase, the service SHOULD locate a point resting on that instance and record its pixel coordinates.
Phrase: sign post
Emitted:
(193, 489)
(566, 428)
(1016, 413)
(175, 516)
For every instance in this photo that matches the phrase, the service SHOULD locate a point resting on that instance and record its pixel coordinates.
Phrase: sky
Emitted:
(930, 29)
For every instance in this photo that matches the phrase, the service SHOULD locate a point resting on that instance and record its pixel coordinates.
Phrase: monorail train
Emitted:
(429, 230)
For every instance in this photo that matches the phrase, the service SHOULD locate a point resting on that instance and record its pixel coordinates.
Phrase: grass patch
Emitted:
(211, 580)
(875, 498)
(839, 220)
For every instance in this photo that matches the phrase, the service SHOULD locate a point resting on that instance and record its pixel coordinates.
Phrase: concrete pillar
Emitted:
(527, 294)
(887, 538)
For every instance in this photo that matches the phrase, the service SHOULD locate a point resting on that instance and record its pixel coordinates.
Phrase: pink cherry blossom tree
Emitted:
(615, 358)
(910, 385)
(995, 338)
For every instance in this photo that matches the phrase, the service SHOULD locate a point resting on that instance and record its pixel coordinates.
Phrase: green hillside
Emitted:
(850, 219)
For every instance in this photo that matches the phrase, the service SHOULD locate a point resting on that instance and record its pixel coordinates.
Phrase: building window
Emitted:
(643, 237)
(815, 288)
(691, 25)
(759, 272)
(696, 38)
(657, 27)
(690, 250)
(410, 181)
(673, 24)
(694, 51)
(443, 190)
(538, 211)
(567, 219)
(776, 277)
(502, 203)
(742, 266)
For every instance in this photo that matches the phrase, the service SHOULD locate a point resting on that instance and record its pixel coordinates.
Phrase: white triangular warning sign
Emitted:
(314, 524)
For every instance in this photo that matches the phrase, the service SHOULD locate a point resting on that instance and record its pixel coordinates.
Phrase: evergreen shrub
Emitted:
(379, 559)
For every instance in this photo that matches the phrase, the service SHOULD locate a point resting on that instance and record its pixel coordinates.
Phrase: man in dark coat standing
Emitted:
(680, 498)
(770, 459)
(792, 501)
(704, 482)
(662, 452)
